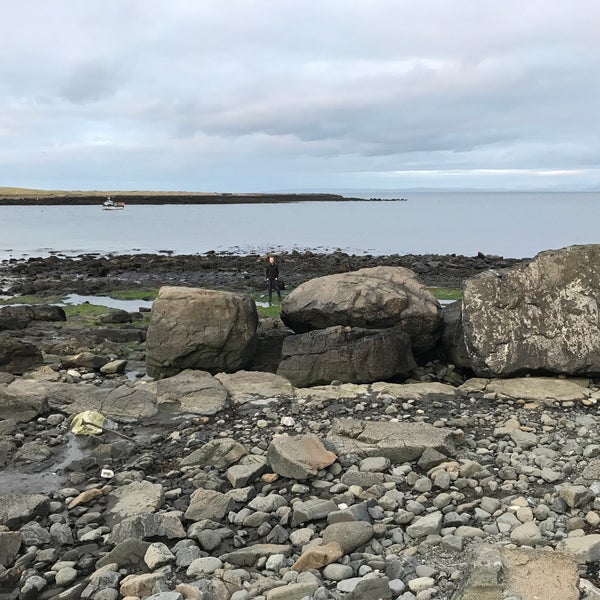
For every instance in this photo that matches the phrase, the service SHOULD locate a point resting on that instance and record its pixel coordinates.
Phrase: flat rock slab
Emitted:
(345, 391)
(134, 499)
(415, 391)
(193, 392)
(541, 390)
(125, 403)
(245, 386)
(524, 573)
(400, 442)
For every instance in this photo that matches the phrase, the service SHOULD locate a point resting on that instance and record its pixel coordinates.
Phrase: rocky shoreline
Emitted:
(239, 486)
(91, 274)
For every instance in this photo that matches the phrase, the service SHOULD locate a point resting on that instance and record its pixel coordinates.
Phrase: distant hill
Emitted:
(23, 196)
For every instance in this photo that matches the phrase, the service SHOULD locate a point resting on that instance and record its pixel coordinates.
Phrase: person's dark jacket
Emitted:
(272, 271)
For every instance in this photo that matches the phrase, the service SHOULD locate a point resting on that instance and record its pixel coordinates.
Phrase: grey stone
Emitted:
(248, 556)
(127, 553)
(428, 525)
(114, 367)
(298, 457)
(292, 591)
(350, 535)
(585, 549)
(337, 572)
(575, 495)
(374, 464)
(147, 526)
(364, 480)
(371, 589)
(312, 510)
(10, 543)
(16, 509)
(220, 453)
(248, 469)
(158, 554)
(527, 534)
(268, 504)
(66, 576)
(204, 566)
(61, 534)
(207, 504)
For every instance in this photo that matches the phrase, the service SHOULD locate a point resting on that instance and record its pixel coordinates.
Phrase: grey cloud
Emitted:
(90, 82)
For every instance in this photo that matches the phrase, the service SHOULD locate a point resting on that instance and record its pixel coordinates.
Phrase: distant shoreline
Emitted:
(31, 198)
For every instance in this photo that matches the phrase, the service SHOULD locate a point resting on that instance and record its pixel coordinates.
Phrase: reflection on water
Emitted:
(128, 305)
(16, 481)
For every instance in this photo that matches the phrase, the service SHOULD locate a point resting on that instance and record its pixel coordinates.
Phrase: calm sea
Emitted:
(509, 224)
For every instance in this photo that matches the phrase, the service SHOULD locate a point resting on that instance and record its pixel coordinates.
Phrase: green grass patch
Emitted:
(85, 310)
(442, 293)
(32, 300)
(146, 294)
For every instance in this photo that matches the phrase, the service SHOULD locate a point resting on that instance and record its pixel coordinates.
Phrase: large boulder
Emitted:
(347, 355)
(542, 316)
(193, 328)
(373, 298)
(17, 356)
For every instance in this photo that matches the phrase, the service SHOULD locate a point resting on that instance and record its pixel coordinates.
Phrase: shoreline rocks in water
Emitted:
(241, 486)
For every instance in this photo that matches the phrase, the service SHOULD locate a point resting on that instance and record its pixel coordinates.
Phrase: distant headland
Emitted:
(25, 197)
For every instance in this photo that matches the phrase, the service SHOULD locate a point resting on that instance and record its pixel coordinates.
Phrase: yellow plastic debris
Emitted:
(88, 422)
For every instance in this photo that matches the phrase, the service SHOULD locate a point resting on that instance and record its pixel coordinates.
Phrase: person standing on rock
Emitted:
(272, 275)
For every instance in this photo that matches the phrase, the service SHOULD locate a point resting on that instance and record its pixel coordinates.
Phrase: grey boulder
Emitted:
(17, 356)
(192, 328)
(349, 355)
(373, 298)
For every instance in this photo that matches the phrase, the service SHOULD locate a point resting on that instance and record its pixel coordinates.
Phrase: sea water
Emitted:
(513, 225)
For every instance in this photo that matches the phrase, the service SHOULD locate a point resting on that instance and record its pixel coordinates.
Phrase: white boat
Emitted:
(110, 204)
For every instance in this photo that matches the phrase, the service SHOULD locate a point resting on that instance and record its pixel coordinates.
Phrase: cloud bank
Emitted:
(261, 95)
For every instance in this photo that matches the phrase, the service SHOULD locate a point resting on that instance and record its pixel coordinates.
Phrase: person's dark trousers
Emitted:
(274, 285)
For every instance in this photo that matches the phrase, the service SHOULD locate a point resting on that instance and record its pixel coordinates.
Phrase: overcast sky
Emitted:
(265, 95)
